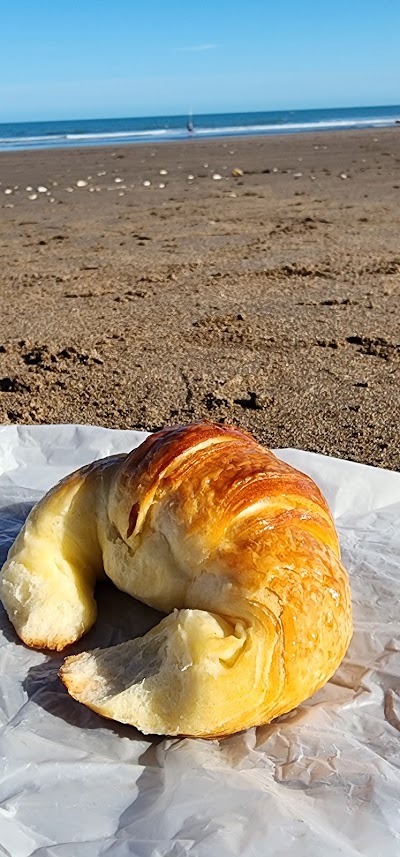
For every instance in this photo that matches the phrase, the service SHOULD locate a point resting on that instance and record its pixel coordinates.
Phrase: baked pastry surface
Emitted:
(235, 546)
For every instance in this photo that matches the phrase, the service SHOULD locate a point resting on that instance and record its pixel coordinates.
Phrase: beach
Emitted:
(146, 285)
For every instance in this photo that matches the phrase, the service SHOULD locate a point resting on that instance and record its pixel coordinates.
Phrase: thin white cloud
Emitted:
(196, 48)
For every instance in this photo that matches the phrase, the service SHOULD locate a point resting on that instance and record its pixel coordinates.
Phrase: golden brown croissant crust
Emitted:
(209, 527)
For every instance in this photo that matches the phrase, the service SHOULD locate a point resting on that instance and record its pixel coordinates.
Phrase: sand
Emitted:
(270, 300)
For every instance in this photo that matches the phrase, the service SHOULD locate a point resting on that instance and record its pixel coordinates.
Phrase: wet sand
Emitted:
(270, 300)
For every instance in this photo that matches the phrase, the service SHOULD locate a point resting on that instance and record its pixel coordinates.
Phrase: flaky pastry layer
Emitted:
(237, 548)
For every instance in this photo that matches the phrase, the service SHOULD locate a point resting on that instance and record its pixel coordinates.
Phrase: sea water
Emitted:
(92, 132)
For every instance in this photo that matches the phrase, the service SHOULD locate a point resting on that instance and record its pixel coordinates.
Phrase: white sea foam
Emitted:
(159, 132)
(296, 126)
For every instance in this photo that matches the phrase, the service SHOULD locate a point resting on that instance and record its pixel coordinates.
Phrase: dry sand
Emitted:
(270, 300)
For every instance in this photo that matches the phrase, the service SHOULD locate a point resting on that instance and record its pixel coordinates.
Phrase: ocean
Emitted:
(94, 132)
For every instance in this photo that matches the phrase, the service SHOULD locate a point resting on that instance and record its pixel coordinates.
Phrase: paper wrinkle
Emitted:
(323, 779)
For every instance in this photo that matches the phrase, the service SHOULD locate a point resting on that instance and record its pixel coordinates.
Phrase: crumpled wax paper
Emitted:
(323, 780)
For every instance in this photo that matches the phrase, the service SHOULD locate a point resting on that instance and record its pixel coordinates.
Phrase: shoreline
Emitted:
(205, 139)
(270, 300)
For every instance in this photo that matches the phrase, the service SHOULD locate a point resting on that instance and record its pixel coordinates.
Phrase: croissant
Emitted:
(207, 526)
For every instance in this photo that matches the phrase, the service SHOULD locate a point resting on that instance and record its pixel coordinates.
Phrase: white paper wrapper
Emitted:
(321, 782)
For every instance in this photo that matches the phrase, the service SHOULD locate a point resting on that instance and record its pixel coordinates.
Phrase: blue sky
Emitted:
(99, 58)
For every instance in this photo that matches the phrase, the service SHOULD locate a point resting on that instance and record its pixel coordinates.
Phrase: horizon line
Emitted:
(199, 113)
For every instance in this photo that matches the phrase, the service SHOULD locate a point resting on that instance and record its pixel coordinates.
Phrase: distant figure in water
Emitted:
(189, 126)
